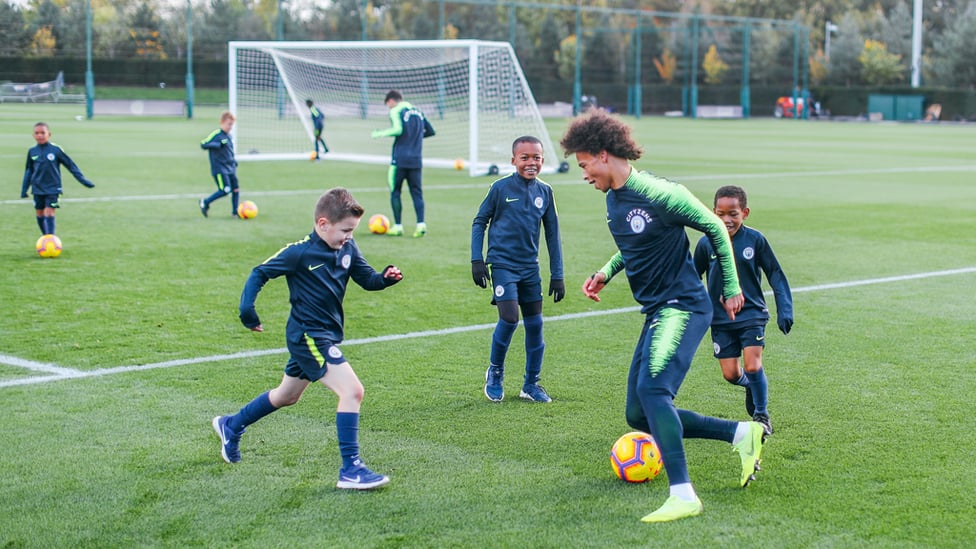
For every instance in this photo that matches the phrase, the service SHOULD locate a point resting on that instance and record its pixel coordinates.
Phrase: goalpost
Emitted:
(473, 92)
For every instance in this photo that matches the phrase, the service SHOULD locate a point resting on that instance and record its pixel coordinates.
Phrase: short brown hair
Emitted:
(227, 115)
(598, 131)
(337, 204)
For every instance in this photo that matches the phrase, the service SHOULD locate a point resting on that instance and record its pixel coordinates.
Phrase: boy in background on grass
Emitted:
(223, 165)
(511, 213)
(745, 336)
(43, 176)
(409, 127)
(318, 269)
(318, 123)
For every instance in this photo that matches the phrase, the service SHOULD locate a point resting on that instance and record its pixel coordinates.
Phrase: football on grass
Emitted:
(635, 457)
(247, 210)
(48, 246)
(378, 224)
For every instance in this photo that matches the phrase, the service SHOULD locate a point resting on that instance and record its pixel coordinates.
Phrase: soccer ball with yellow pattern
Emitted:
(48, 246)
(247, 210)
(635, 457)
(378, 224)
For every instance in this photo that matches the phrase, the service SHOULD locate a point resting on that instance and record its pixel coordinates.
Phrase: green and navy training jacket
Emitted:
(409, 129)
(318, 119)
(43, 171)
(647, 219)
(753, 257)
(317, 276)
(513, 212)
(221, 149)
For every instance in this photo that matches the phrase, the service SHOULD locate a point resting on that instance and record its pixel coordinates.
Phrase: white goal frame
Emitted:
(502, 108)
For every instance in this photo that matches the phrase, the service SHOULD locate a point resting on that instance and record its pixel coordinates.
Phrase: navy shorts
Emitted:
(42, 201)
(522, 285)
(226, 182)
(729, 343)
(310, 357)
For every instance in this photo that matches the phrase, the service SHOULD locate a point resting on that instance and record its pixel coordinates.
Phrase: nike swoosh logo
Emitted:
(713, 256)
(510, 199)
(351, 479)
(760, 338)
(313, 267)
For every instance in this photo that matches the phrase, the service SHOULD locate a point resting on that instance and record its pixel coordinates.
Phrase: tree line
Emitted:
(871, 45)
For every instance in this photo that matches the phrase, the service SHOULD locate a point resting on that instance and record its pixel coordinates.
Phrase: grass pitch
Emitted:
(114, 356)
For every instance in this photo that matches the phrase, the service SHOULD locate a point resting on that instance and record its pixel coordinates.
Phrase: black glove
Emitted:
(557, 289)
(23, 195)
(479, 273)
(249, 318)
(784, 323)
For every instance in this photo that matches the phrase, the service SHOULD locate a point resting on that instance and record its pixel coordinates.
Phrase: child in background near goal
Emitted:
(746, 335)
(223, 165)
(512, 213)
(43, 176)
(317, 268)
(647, 216)
(318, 121)
(409, 128)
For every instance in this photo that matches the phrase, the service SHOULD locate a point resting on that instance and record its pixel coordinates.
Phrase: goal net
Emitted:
(473, 92)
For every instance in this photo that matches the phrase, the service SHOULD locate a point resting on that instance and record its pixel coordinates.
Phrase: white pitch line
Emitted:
(60, 373)
(37, 366)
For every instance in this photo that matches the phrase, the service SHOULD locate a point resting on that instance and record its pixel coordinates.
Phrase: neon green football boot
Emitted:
(750, 449)
(675, 508)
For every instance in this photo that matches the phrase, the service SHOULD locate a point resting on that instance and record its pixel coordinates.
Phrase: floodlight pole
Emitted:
(440, 20)
(281, 22)
(828, 28)
(189, 59)
(577, 85)
(916, 43)
(89, 75)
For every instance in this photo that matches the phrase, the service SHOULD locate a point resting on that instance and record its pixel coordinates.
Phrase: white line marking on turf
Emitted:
(38, 366)
(59, 373)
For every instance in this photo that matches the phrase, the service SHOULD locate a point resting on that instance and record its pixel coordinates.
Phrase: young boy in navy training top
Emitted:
(223, 165)
(43, 176)
(318, 122)
(512, 213)
(409, 127)
(647, 216)
(318, 269)
(746, 335)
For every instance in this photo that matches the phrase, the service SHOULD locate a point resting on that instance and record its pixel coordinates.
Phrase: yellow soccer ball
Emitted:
(378, 224)
(48, 246)
(458, 164)
(247, 210)
(635, 457)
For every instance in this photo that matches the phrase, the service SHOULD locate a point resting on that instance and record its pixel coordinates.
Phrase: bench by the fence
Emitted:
(139, 107)
(23, 92)
(719, 111)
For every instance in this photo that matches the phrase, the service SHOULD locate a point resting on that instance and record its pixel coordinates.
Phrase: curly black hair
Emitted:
(732, 191)
(599, 131)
